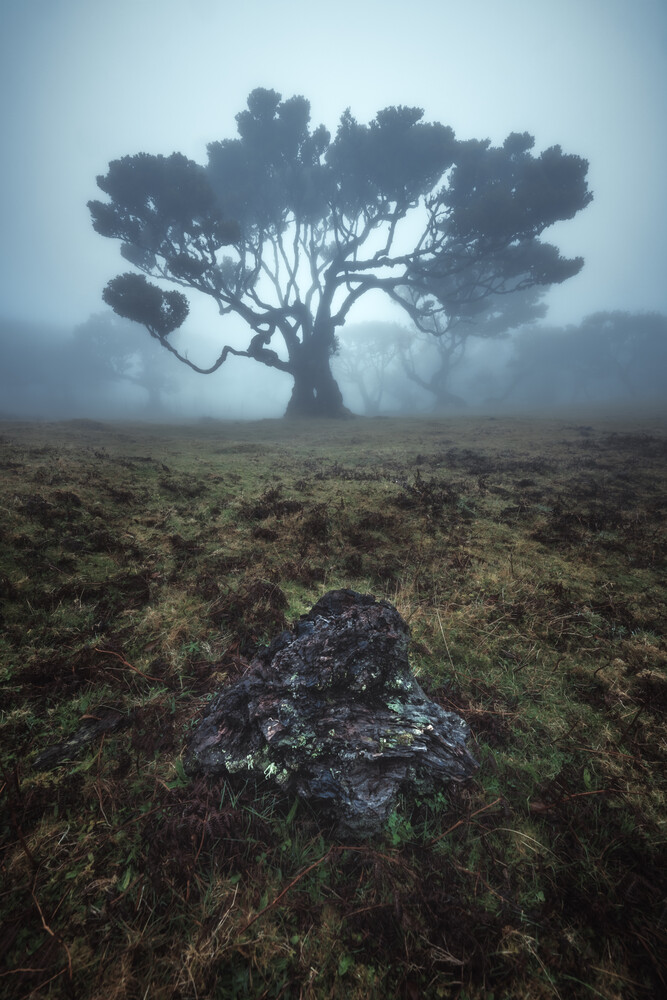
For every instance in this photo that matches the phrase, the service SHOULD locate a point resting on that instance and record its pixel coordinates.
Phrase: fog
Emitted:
(86, 83)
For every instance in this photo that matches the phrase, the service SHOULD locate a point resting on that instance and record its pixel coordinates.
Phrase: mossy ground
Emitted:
(139, 568)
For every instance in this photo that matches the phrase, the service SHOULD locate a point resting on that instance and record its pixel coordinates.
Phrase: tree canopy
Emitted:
(288, 227)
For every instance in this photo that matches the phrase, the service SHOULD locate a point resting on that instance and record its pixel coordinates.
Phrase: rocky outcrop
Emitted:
(332, 712)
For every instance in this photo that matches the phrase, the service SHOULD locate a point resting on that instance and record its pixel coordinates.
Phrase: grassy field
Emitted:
(139, 568)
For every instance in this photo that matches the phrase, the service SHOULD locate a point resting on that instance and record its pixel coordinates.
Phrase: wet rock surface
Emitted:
(331, 711)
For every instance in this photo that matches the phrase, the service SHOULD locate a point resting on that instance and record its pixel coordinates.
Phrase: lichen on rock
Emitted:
(332, 712)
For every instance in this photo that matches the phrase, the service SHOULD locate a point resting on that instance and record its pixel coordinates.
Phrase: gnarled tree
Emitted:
(287, 228)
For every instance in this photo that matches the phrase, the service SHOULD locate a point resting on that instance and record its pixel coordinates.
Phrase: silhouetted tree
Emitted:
(430, 358)
(314, 223)
(368, 356)
(107, 350)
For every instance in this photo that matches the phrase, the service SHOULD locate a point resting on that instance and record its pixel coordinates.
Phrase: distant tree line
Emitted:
(502, 360)
(99, 369)
(609, 358)
(615, 357)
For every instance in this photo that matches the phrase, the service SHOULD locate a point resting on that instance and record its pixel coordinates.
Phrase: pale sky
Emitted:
(87, 81)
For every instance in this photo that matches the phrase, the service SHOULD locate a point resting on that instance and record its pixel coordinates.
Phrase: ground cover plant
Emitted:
(140, 566)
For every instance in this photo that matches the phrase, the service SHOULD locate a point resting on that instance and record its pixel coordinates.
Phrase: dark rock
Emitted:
(331, 711)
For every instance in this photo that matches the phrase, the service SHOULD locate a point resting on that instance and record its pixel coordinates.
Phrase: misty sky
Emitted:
(87, 81)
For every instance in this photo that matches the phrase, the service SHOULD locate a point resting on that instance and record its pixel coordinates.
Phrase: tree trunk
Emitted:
(316, 392)
(154, 403)
(446, 401)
